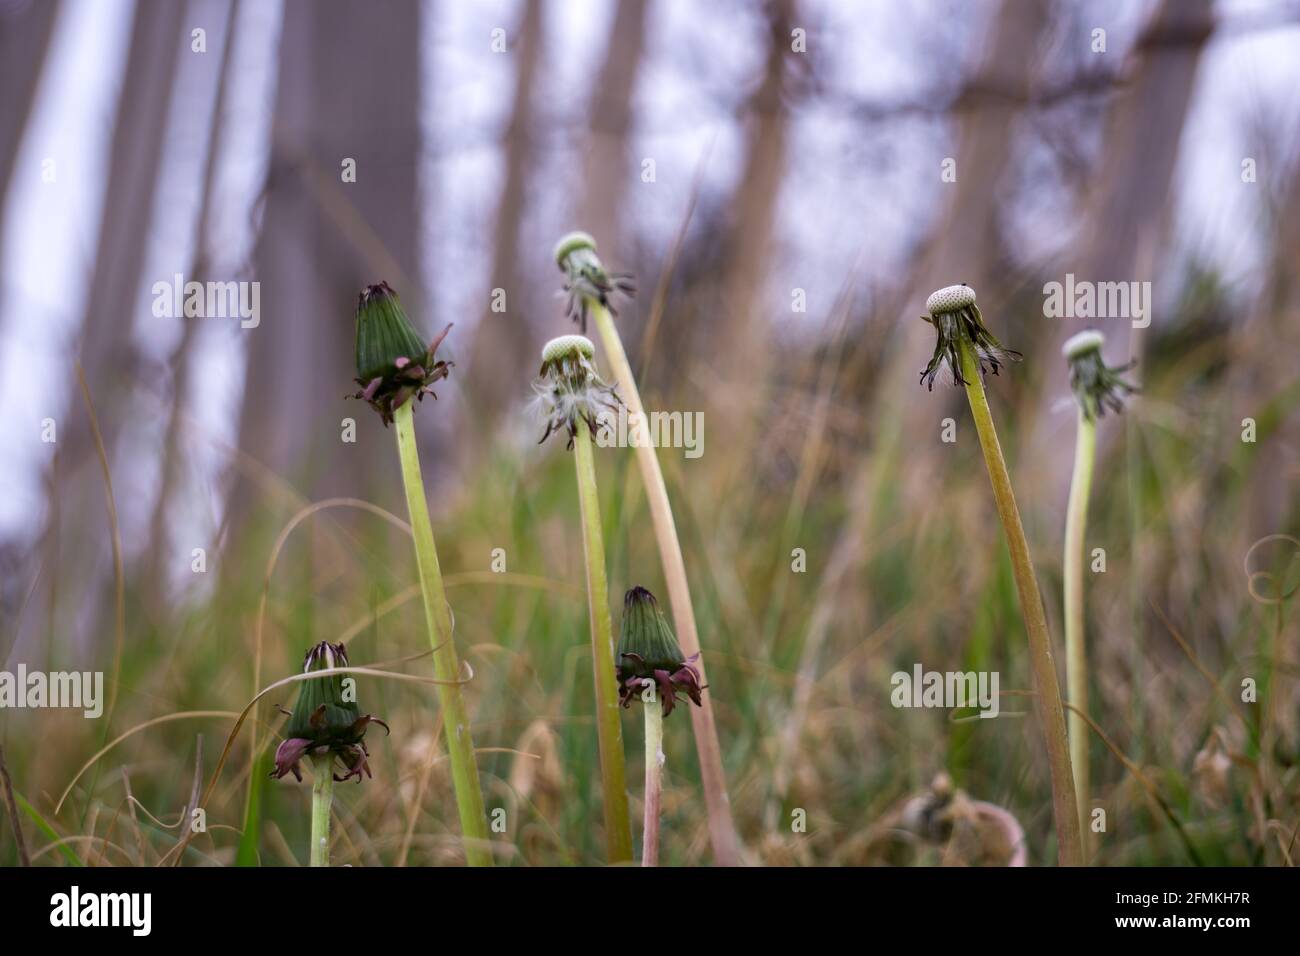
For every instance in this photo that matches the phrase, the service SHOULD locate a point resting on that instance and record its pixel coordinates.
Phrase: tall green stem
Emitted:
(322, 797)
(1076, 657)
(1050, 710)
(446, 666)
(609, 729)
(654, 780)
(722, 831)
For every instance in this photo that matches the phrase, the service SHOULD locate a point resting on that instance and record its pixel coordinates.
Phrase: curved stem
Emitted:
(446, 666)
(1076, 658)
(609, 729)
(322, 797)
(1050, 710)
(722, 831)
(654, 779)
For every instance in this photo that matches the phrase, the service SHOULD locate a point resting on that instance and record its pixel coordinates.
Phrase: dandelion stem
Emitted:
(654, 778)
(1050, 710)
(1076, 666)
(609, 729)
(722, 831)
(446, 667)
(322, 797)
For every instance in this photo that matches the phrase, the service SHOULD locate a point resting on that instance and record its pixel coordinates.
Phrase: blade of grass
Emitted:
(43, 825)
(7, 787)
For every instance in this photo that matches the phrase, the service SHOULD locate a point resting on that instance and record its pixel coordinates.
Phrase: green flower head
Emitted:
(586, 280)
(393, 364)
(568, 387)
(956, 318)
(326, 719)
(1096, 385)
(648, 652)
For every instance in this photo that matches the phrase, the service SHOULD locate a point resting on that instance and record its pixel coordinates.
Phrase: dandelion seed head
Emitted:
(1096, 385)
(949, 299)
(958, 324)
(558, 348)
(586, 282)
(1089, 340)
(569, 388)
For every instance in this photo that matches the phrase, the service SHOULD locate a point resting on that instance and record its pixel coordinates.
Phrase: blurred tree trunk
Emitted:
(1265, 386)
(1127, 210)
(349, 90)
(741, 339)
(738, 344)
(504, 346)
(25, 31)
(76, 483)
(1144, 129)
(964, 246)
(606, 172)
(155, 577)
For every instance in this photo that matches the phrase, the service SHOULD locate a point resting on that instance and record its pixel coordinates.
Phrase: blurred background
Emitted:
(788, 181)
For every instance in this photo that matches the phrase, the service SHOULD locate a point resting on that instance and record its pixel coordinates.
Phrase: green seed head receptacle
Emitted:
(956, 318)
(1096, 385)
(569, 388)
(567, 347)
(586, 281)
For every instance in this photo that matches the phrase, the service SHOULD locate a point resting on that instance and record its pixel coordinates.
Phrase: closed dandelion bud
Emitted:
(393, 363)
(586, 280)
(648, 650)
(1096, 385)
(568, 387)
(324, 720)
(955, 317)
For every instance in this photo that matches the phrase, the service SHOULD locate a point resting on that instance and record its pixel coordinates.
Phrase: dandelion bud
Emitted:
(393, 364)
(324, 721)
(586, 280)
(647, 650)
(1096, 385)
(569, 388)
(956, 318)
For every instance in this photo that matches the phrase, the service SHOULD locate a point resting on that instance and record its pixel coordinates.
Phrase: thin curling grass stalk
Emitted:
(576, 255)
(322, 798)
(394, 367)
(652, 669)
(963, 338)
(571, 394)
(1096, 387)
